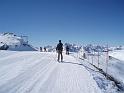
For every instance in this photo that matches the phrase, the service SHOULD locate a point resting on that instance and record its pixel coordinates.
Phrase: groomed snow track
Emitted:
(35, 72)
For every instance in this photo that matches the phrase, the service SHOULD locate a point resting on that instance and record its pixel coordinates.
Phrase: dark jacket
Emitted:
(67, 48)
(59, 47)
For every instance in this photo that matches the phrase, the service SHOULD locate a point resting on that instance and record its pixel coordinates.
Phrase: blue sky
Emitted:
(73, 21)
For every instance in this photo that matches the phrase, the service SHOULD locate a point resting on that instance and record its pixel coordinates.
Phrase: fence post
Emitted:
(92, 56)
(98, 58)
(107, 59)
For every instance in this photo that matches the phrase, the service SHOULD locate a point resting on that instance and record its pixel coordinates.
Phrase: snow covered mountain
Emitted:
(13, 42)
(73, 47)
(89, 48)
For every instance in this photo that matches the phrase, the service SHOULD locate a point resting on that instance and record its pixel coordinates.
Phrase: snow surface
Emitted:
(117, 64)
(35, 72)
(1, 44)
(106, 85)
(118, 54)
(114, 66)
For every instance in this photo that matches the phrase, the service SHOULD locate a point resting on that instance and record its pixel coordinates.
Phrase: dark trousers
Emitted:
(67, 52)
(60, 54)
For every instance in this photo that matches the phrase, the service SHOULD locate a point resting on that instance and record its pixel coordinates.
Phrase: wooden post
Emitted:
(98, 59)
(107, 59)
(92, 56)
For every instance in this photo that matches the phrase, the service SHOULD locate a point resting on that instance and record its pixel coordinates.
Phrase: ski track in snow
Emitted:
(34, 72)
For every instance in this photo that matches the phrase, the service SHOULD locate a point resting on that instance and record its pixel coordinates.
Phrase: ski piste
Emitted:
(40, 72)
(35, 72)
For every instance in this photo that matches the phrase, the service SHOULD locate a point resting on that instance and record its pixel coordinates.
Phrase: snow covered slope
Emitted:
(118, 54)
(117, 64)
(15, 43)
(35, 72)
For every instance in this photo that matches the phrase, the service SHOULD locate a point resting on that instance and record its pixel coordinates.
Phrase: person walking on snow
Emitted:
(40, 49)
(59, 50)
(67, 50)
(45, 49)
